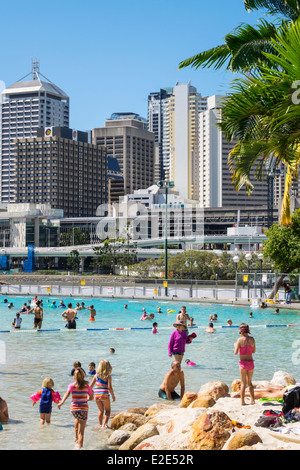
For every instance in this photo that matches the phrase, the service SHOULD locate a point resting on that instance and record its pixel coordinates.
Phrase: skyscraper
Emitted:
(25, 106)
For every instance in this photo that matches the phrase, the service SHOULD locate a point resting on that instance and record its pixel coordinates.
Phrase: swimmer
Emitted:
(92, 369)
(191, 322)
(154, 329)
(47, 396)
(215, 317)
(69, 316)
(144, 315)
(38, 315)
(61, 304)
(92, 312)
(210, 328)
(250, 315)
(170, 382)
(76, 365)
(125, 306)
(229, 323)
(53, 305)
(189, 363)
(112, 351)
(183, 316)
(17, 322)
(4, 418)
(277, 311)
(159, 310)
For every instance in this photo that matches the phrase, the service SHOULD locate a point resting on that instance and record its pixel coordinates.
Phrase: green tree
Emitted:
(73, 261)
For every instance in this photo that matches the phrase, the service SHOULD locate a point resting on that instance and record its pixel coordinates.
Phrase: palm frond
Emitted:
(288, 8)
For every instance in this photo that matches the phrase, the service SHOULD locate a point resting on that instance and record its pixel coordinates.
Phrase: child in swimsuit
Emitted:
(81, 393)
(154, 329)
(46, 396)
(245, 347)
(103, 388)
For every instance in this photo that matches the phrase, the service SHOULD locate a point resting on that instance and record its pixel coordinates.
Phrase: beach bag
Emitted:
(291, 399)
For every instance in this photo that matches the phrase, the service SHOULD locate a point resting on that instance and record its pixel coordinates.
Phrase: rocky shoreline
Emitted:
(211, 419)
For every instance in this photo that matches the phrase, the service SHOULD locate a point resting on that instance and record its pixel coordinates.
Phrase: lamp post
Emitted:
(195, 264)
(260, 257)
(248, 258)
(236, 259)
(166, 185)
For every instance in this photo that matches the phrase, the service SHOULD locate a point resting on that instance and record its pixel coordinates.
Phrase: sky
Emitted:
(109, 55)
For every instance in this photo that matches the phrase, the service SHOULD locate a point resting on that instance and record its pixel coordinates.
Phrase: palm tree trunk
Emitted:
(276, 287)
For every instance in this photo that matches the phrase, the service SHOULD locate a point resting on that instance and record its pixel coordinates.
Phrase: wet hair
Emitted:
(211, 325)
(70, 305)
(244, 328)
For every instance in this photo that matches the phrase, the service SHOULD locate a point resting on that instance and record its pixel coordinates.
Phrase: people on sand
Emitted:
(170, 382)
(81, 393)
(103, 389)
(183, 316)
(210, 328)
(178, 339)
(4, 417)
(275, 391)
(245, 347)
(38, 315)
(69, 316)
(46, 396)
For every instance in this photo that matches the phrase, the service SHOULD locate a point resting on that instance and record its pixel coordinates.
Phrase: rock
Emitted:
(130, 427)
(176, 420)
(166, 442)
(210, 431)
(157, 407)
(118, 437)
(142, 433)
(187, 399)
(283, 379)
(124, 418)
(236, 386)
(203, 401)
(242, 438)
(215, 389)
(140, 410)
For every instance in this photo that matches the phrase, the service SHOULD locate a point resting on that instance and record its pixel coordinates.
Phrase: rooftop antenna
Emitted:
(35, 68)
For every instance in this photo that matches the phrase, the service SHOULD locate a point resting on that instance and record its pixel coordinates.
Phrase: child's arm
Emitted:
(90, 392)
(56, 397)
(93, 381)
(36, 397)
(237, 347)
(111, 389)
(67, 394)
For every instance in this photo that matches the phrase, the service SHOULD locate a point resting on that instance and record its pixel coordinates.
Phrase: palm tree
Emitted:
(246, 46)
(262, 115)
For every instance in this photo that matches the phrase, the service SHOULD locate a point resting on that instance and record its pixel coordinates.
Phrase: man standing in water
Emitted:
(69, 315)
(171, 380)
(38, 315)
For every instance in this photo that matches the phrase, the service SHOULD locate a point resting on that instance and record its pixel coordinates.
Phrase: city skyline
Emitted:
(109, 57)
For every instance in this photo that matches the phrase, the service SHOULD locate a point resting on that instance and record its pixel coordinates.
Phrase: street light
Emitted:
(236, 259)
(191, 263)
(260, 257)
(166, 185)
(248, 258)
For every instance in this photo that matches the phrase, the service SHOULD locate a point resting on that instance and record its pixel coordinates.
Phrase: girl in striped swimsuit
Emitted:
(81, 394)
(103, 387)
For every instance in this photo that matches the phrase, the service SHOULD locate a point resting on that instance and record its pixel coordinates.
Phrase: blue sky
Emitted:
(109, 55)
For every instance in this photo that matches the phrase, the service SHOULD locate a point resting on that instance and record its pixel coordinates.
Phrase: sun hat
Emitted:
(179, 323)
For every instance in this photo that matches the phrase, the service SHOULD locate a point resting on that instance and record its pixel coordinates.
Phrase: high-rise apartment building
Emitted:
(185, 105)
(158, 123)
(59, 167)
(133, 147)
(24, 107)
(215, 179)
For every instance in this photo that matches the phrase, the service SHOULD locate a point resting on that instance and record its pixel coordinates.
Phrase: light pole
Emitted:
(166, 185)
(191, 263)
(248, 258)
(236, 259)
(260, 257)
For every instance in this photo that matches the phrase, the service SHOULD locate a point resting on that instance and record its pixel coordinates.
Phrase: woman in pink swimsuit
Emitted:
(245, 347)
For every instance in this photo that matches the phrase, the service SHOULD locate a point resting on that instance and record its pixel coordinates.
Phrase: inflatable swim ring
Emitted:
(171, 311)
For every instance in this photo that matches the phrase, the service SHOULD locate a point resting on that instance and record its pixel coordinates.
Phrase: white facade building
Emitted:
(26, 106)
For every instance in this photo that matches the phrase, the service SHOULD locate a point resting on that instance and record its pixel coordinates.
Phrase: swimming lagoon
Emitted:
(139, 363)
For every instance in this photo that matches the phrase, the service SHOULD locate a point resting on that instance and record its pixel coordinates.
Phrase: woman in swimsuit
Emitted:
(38, 315)
(245, 347)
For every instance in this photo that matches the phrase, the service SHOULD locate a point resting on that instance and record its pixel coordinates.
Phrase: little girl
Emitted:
(102, 389)
(81, 394)
(47, 396)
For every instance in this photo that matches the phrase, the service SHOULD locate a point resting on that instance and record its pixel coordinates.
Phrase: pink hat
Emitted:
(179, 323)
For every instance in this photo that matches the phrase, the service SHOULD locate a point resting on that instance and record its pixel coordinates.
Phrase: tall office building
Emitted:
(215, 179)
(184, 107)
(60, 168)
(133, 147)
(25, 106)
(158, 123)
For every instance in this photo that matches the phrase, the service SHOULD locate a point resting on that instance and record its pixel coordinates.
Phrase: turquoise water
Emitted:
(139, 363)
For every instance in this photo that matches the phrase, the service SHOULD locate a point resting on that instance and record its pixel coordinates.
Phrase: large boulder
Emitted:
(118, 437)
(203, 401)
(142, 433)
(140, 410)
(157, 407)
(283, 379)
(210, 431)
(187, 399)
(215, 389)
(125, 417)
(244, 437)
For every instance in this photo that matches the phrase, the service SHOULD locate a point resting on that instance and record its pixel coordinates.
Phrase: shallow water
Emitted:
(139, 364)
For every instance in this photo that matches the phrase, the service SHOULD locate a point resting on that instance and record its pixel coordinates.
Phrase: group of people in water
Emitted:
(35, 307)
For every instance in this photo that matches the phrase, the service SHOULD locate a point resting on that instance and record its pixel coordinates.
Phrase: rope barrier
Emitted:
(137, 328)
